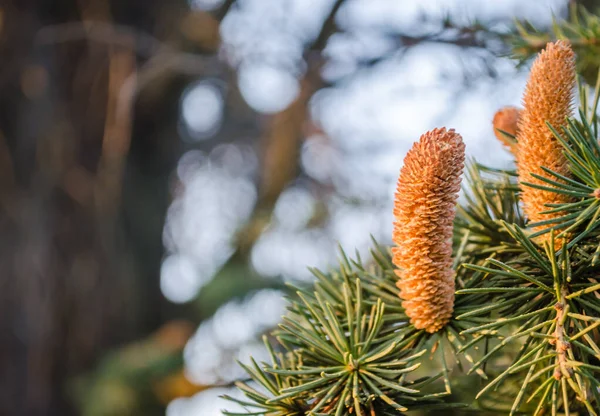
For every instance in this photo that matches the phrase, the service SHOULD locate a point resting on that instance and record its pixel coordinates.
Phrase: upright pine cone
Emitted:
(424, 211)
(506, 120)
(548, 98)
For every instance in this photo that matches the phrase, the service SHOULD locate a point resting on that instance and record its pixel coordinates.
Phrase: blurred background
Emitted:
(166, 167)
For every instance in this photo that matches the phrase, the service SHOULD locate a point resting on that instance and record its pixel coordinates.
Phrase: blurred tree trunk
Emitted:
(83, 194)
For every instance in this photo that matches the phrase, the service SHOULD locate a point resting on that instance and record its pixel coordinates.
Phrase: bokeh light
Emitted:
(202, 110)
(205, 4)
(215, 198)
(230, 336)
(266, 88)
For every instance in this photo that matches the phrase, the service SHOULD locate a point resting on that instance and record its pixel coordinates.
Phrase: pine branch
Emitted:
(581, 30)
(525, 315)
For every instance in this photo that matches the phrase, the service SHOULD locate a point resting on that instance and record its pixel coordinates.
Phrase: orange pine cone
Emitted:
(548, 98)
(424, 210)
(506, 120)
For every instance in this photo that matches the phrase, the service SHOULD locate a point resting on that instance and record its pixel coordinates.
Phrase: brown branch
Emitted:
(145, 44)
(7, 176)
(560, 342)
(222, 11)
(329, 27)
(283, 137)
(117, 131)
(160, 56)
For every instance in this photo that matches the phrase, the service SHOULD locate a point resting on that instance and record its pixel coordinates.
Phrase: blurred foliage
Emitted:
(138, 379)
(582, 30)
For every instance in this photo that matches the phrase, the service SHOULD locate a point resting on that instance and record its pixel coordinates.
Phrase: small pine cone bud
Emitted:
(505, 120)
(548, 98)
(424, 211)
